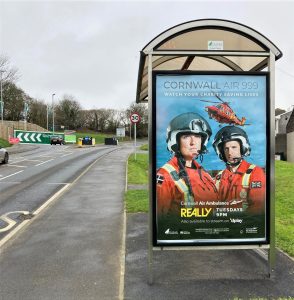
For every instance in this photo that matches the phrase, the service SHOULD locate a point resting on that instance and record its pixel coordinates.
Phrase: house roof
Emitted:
(290, 124)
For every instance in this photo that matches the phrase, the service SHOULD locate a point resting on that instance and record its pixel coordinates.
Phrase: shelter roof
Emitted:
(189, 46)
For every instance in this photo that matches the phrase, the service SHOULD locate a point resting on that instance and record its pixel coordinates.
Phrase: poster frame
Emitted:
(220, 243)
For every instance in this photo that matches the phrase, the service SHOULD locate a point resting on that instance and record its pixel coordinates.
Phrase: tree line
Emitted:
(68, 112)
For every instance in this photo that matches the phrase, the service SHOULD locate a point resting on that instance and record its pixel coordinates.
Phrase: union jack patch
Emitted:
(159, 179)
(256, 184)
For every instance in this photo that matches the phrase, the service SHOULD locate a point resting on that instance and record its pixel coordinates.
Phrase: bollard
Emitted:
(93, 142)
(80, 142)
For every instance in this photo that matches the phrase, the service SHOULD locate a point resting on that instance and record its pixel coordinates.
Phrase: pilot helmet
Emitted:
(187, 123)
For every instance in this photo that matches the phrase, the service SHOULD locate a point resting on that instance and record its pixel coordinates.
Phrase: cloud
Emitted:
(91, 49)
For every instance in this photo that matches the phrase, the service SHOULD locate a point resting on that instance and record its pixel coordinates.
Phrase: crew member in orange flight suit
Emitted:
(241, 184)
(182, 182)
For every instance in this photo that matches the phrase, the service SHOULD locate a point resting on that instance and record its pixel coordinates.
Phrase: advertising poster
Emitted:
(210, 151)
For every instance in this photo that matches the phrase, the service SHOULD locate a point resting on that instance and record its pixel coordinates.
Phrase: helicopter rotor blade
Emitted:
(209, 101)
(219, 98)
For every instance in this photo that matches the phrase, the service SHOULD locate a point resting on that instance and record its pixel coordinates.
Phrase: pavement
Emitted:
(81, 247)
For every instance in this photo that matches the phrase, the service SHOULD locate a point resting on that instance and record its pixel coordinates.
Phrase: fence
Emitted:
(7, 128)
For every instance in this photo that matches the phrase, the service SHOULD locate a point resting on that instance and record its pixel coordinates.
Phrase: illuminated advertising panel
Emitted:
(210, 158)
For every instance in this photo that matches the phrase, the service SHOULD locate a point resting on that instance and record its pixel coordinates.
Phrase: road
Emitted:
(31, 178)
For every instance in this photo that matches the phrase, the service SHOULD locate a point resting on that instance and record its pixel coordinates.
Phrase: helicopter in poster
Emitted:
(223, 113)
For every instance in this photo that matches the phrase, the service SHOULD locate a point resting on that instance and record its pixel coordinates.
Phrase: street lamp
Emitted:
(1, 95)
(53, 112)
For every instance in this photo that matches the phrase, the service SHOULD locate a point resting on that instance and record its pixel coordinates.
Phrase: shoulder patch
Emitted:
(159, 179)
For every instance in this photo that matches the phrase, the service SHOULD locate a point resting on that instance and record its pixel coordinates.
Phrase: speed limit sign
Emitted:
(135, 118)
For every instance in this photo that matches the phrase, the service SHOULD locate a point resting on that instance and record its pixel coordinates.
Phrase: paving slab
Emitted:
(213, 274)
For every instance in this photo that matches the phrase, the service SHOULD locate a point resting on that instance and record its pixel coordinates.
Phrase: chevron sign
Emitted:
(33, 137)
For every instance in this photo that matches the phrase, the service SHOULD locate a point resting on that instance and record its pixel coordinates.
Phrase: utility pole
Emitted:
(53, 112)
(47, 115)
(1, 95)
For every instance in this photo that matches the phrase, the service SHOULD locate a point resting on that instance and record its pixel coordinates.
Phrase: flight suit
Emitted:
(245, 188)
(171, 190)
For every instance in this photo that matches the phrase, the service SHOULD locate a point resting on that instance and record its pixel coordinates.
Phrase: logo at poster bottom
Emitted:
(168, 231)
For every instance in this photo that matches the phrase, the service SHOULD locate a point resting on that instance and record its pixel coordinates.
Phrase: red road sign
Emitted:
(135, 118)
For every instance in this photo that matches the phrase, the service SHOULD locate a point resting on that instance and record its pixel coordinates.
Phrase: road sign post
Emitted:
(135, 118)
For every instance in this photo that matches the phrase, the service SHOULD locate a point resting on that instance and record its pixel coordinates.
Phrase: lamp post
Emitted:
(1, 95)
(53, 113)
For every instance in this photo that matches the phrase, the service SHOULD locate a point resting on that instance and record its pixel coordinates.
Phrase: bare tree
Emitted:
(9, 73)
(142, 110)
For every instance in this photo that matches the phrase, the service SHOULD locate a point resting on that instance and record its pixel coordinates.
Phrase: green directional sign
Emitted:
(70, 138)
(35, 137)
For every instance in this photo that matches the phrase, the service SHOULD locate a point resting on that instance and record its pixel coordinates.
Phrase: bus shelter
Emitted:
(219, 76)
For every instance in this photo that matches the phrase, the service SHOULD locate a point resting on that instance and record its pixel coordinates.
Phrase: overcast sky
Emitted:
(90, 49)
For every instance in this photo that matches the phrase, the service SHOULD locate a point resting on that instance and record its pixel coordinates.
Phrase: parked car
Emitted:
(55, 139)
(4, 156)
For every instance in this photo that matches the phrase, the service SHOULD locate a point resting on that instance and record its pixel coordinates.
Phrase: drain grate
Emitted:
(23, 217)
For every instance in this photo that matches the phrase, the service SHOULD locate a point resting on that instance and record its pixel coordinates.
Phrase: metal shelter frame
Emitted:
(248, 50)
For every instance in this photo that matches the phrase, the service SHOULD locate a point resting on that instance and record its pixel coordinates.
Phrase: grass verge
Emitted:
(99, 137)
(4, 143)
(144, 147)
(285, 206)
(137, 169)
(136, 201)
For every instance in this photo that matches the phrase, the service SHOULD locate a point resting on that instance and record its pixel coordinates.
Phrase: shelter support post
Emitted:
(150, 236)
(272, 249)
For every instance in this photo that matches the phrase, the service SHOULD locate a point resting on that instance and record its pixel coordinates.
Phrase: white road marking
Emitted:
(33, 160)
(17, 161)
(44, 162)
(11, 175)
(58, 183)
(67, 154)
(10, 221)
(56, 195)
(17, 166)
(13, 232)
